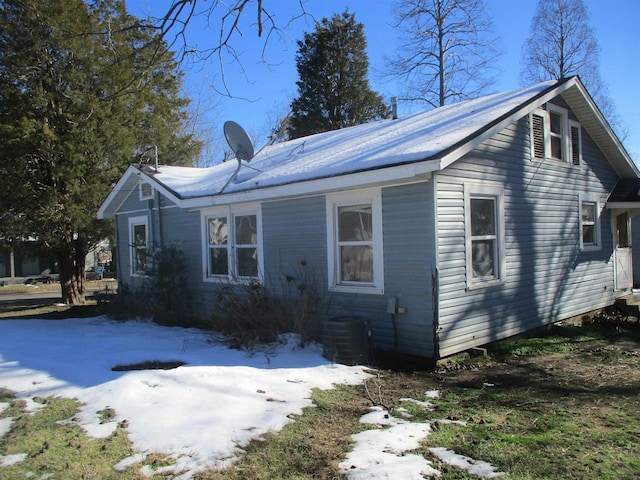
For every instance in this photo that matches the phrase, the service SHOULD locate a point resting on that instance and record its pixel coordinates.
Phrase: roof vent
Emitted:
(394, 108)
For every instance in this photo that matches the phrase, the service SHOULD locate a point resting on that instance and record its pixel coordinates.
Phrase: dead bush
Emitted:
(254, 313)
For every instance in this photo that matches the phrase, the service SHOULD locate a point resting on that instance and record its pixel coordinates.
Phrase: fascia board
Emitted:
(526, 109)
(167, 192)
(622, 205)
(108, 209)
(593, 108)
(411, 172)
(102, 211)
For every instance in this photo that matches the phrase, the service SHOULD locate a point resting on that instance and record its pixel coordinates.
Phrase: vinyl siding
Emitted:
(295, 231)
(168, 226)
(547, 277)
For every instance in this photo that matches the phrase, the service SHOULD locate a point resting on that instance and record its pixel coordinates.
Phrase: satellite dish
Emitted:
(238, 140)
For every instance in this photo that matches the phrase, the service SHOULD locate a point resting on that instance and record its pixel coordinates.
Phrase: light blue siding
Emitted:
(548, 277)
(295, 232)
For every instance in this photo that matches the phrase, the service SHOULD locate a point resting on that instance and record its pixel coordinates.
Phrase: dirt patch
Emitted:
(149, 365)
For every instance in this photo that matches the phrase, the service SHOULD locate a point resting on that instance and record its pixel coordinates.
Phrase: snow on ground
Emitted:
(202, 413)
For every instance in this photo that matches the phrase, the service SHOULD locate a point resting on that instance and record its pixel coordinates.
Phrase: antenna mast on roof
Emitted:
(144, 152)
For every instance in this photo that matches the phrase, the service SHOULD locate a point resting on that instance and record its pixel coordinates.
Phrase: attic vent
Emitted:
(537, 133)
(575, 145)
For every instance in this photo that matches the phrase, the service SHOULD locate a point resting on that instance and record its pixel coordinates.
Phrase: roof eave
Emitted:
(594, 122)
(116, 197)
(411, 172)
(466, 145)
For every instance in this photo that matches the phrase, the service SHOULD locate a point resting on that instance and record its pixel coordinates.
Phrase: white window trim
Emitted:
(135, 221)
(564, 135)
(567, 148)
(141, 194)
(370, 196)
(582, 198)
(230, 212)
(497, 193)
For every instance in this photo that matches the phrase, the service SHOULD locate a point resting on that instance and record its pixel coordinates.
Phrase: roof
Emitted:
(626, 194)
(373, 153)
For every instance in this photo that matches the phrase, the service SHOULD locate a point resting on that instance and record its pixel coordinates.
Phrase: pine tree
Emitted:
(333, 87)
(82, 89)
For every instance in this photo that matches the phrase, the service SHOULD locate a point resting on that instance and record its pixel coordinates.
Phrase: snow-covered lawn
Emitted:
(201, 413)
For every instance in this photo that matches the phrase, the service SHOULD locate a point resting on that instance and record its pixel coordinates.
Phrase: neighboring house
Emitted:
(27, 260)
(23, 261)
(448, 229)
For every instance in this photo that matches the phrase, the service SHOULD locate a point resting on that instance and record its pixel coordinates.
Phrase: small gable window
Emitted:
(554, 136)
(146, 191)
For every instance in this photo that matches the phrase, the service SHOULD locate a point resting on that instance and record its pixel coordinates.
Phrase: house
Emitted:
(24, 260)
(448, 229)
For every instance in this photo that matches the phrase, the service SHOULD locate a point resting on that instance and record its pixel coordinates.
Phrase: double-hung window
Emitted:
(139, 245)
(484, 232)
(553, 135)
(354, 227)
(233, 246)
(589, 224)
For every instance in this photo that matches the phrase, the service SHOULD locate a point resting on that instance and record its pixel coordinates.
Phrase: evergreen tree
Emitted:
(333, 87)
(82, 89)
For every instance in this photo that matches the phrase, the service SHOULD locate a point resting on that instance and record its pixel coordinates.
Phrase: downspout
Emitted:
(160, 232)
(118, 265)
(152, 235)
(435, 291)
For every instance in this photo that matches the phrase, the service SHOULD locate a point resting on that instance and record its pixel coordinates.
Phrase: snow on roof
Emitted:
(370, 146)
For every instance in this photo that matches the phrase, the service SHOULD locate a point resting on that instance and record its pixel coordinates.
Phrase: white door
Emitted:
(623, 257)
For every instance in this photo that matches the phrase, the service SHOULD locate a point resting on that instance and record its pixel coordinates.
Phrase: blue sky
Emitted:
(263, 91)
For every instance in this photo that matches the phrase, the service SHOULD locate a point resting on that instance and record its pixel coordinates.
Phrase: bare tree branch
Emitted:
(228, 21)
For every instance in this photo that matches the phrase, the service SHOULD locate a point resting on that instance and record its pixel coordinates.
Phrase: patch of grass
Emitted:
(569, 411)
(562, 405)
(58, 449)
(311, 447)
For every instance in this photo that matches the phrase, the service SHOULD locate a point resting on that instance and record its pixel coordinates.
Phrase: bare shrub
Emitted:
(255, 313)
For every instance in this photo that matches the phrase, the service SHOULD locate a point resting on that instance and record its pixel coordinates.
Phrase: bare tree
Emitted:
(447, 52)
(563, 44)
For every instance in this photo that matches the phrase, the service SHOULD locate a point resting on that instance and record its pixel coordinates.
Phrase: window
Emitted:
(145, 190)
(233, 244)
(554, 136)
(355, 242)
(589, 225)
(484, 236)
(139, 245)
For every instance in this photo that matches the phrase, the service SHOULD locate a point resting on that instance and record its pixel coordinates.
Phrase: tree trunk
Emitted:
(71, 263)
